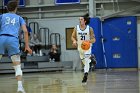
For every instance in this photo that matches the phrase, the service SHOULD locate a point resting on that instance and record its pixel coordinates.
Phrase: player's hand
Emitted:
(74, 44)
(27, 48)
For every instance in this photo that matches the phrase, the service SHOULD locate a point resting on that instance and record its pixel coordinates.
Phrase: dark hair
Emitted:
(12, 5)
(86, 18)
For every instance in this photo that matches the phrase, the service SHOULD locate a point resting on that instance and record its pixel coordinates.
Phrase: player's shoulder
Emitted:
(17, 15)
(0, 15)
(90, 28)
(10, 14)
(4, 14)
(77, 27)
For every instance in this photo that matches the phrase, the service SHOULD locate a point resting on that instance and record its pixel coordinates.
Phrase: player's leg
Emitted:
(86, 62)
(18, 72)
(13, 51)
(83, 62)
(93, 62)
(2, 46)
(81, 53)
(86, 68)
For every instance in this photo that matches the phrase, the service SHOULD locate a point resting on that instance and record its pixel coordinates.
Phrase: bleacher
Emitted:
(35, 63)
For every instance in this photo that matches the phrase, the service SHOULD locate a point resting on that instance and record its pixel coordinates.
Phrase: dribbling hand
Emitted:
(74, 44)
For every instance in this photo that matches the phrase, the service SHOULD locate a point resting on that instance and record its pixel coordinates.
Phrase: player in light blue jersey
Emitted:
(10, 24)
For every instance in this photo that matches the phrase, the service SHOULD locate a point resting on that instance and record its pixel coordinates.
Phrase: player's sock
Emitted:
(20, 87)
(85, 78)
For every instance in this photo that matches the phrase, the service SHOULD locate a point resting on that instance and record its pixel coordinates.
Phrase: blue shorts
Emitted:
(9, 44)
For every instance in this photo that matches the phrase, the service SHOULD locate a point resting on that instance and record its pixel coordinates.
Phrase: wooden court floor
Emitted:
(99, 81)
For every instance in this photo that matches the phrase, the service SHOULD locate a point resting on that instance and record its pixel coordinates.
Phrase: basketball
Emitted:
(85, 45)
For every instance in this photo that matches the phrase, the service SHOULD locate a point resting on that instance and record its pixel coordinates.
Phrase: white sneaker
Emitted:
(21, 90)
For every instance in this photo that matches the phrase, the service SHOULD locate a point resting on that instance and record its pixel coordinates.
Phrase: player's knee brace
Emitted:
(15, 58)
(18, 71)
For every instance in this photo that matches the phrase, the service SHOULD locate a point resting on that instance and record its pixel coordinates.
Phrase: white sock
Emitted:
(19, 83)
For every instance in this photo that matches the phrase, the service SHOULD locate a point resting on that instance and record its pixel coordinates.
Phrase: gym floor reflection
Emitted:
(99, 81)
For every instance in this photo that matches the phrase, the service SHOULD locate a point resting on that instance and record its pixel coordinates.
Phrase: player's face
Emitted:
(82, 21)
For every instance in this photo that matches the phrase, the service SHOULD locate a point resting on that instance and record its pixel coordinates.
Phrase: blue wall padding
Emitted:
(95, 23)
(125, 48)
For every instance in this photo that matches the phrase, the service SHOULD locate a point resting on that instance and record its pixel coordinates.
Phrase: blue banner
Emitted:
(21, 2)
(66, 1)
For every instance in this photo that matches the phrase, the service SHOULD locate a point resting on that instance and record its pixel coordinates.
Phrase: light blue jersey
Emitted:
(10, 24)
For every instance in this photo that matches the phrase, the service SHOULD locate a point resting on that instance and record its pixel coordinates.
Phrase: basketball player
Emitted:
(83, 32)
(9, 27)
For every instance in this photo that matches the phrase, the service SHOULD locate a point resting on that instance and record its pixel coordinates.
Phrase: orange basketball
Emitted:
(85, 45)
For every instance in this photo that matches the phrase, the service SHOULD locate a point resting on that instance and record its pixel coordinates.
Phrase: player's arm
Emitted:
(73, 38)
(27, 48)
(92, 36)
(26, 38)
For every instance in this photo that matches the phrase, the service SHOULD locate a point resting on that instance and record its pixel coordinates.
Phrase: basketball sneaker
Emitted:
(20, 90)
(85, 78)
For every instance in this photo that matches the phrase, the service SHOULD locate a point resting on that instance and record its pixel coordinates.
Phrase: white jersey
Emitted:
(82, 35)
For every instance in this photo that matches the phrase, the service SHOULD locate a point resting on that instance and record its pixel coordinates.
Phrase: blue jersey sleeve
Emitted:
(29, 29)
(22, 22)
(0, 20)
(0, 17)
